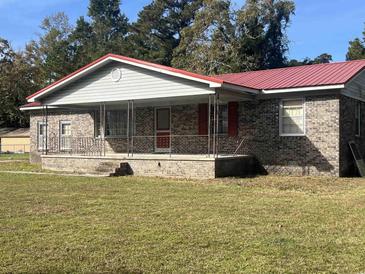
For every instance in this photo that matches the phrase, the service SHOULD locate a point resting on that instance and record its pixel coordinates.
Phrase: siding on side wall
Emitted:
(348, 108)
(136, 83)
(356, 87)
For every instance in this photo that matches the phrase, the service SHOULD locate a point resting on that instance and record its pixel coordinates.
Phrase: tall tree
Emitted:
(52, 49)
(276, 17)
(207, 45)
(16, 82)
(157, 31)
(81, 43)
(250, 40)
(109, 27)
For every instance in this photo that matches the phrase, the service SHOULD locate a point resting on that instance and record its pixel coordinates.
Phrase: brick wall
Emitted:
(313, 154)
(82, 125)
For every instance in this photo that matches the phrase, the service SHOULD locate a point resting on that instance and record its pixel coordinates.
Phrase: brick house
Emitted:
(161, 121)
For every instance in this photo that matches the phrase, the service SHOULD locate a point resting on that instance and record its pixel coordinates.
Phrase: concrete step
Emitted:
(123, 170)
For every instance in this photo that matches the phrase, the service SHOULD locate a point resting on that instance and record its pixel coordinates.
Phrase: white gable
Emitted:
(135, 83)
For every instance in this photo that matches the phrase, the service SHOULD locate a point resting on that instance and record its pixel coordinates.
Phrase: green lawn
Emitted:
(53, 224)
(14, 156)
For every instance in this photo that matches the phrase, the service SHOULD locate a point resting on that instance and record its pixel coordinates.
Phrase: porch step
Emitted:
(123, 170)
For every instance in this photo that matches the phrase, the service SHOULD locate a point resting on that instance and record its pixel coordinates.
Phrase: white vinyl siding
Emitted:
(356, 87)
(292, 117)
(135, 83)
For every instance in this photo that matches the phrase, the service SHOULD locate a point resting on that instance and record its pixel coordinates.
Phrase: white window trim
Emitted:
(60, 135)
(358, 113)
(39, 147)
(281, 119)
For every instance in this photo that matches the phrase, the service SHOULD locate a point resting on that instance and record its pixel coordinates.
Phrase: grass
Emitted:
(261, 225)
(20, 166)
(14, 156)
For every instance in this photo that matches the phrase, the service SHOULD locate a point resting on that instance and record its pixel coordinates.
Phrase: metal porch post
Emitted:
(209, 110)
(38, 128)
(217, 130)
(170, 139)
(46, 129)
(104, 129)
(128, 128)
(133, 125)
(214, 121)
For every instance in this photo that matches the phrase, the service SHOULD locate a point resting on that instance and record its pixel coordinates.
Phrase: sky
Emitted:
(319, 26)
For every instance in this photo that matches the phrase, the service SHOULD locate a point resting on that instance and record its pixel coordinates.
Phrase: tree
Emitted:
(16, 82)
(109, 27)
(81, 43)
(207, 45)
(356, 50)
(276, 17)
(250, 38)
(324, 58)
(157, 31)
(52, 50)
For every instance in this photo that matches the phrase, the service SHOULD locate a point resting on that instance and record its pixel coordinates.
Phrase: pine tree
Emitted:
(157, 31)
(109, 26)
(356, 50)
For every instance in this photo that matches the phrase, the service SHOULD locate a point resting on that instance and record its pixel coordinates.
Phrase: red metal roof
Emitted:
(282, 78)
(294, 77)
(31, 105)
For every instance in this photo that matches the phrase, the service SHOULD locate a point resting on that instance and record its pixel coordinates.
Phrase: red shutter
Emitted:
(203, 119)
(232, 118)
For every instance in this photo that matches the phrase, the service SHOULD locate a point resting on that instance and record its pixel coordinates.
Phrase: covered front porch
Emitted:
(187, 137)
(187, 126)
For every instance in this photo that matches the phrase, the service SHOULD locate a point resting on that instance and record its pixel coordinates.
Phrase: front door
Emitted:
(163, 129)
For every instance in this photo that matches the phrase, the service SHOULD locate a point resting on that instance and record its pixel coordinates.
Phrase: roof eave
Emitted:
(301, 89)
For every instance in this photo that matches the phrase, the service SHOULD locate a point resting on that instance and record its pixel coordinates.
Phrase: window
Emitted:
(358, 119)
(65, 135)
(292, 118)
(115, 123)
(41, 136)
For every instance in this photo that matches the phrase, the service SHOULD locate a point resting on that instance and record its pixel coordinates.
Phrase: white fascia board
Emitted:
(35, 108)
(265, 91)
(180, 75)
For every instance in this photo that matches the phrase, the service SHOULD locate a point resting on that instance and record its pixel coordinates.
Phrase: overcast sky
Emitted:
(319, 25)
